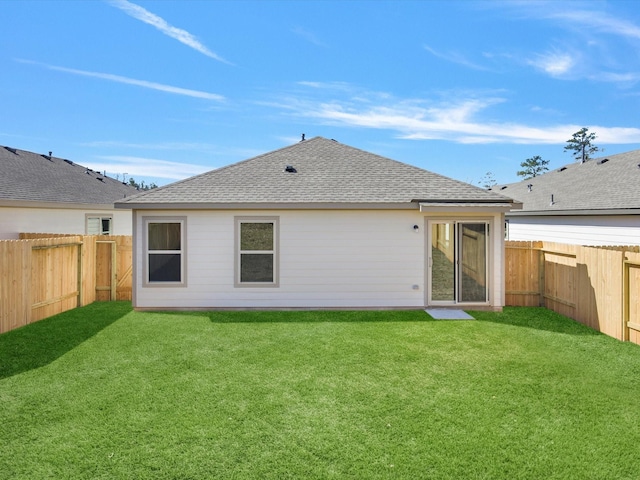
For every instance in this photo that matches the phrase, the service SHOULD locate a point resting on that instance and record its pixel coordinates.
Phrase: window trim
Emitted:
(100, 217)
(238, 221)
(183, 251)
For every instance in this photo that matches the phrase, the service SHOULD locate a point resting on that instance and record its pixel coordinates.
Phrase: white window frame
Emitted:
(182, 251)
(100, 218)
(275, 252)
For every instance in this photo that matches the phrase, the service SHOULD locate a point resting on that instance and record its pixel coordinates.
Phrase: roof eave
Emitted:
(580, 212)
(51, 204)
(269, 206)
(469, 206)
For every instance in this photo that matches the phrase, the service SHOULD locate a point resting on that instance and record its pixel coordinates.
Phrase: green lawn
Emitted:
(105, 392)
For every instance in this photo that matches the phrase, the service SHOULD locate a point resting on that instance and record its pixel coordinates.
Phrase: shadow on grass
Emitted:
(317, 316)
(42, 342)
(538, 318)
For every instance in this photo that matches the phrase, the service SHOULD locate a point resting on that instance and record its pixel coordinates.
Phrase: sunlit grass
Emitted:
(521, 394)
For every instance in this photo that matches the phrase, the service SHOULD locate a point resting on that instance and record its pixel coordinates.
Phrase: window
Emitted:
(99, 225)
(257, 251)
(165, 250)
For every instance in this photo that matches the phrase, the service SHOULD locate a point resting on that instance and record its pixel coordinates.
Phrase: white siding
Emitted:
(578, 230)
(328, 259)
(14, 221)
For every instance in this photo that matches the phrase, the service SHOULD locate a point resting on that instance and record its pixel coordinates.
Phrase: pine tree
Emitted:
(532, 167)
(581, 146)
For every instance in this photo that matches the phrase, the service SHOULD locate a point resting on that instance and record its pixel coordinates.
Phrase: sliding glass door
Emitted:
(458, 266)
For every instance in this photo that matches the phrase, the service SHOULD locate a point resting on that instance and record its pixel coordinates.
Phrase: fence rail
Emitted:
(596, 286)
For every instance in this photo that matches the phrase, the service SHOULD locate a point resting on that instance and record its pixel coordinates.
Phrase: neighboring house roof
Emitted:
(606, 185)
(324, 173)
(27, 177)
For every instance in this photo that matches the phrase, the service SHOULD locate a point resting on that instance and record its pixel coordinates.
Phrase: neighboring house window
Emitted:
(165, 251)
(99, 225)
(506, 229)
(257, 251)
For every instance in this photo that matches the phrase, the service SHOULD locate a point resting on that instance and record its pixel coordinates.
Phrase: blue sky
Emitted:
(162, 90)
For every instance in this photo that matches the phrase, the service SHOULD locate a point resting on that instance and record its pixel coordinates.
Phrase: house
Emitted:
(591, 203)
(46, 194)
(318, 224)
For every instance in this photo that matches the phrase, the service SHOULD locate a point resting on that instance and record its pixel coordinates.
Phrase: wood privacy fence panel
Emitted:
(522, 273)
(55, 276)
(15, 282)
(42, 275)
(597, 286)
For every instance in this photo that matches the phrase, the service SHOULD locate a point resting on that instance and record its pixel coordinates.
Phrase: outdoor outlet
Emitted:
(416, 287)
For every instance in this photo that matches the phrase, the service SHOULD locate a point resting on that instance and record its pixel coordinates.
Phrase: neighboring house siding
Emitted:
(16, 220)
(578, 230)
(327, 259)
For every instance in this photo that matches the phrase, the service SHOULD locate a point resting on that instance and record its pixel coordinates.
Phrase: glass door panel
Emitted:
(443, 272)
(473, 262)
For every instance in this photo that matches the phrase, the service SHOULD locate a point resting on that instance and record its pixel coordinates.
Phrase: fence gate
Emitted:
(106, 262)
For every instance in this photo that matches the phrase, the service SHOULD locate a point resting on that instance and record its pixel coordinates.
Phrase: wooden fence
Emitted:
(42, 275)
(597, 286)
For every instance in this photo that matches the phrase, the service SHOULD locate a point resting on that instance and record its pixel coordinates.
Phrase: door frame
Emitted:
(456, 222)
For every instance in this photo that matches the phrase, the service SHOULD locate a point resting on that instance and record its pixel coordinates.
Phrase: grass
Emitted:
(105, 392)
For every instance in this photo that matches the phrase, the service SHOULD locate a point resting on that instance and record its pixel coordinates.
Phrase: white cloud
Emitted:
(185, 146)
(309, 36)
(597, 20)
(454, 57)
(132, 81)
(184, 37)
(556, 64)
(145, 167)
(629, 77)
(464, 120)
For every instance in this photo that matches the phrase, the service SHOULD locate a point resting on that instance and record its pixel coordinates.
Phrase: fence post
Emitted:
(541, 276)
(80, 253)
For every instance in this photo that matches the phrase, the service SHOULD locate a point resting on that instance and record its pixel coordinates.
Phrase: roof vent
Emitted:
(529, 187)
(302, 139)
(68, 161)
(12, 150)
(100, 178)
(48, 158)
(290, 169)
(502, 188)
(604, 160)
(552, 200)
(562, 169)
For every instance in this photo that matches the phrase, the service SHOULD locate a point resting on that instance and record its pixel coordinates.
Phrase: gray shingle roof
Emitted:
(594, 185)
(327, 172)
(31, 177)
